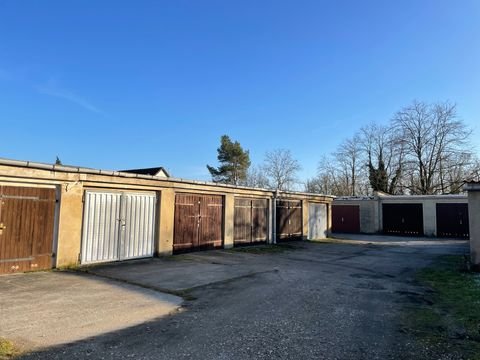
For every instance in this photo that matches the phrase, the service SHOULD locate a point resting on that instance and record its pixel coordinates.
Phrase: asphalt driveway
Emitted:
(314, 301)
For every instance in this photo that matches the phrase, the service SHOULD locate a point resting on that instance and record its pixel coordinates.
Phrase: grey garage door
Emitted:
(117, 226)
(317, 221)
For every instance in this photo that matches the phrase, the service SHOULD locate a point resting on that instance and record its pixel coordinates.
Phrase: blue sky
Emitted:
(126, 84)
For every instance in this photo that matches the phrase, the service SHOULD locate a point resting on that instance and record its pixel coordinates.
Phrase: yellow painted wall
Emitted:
(69, 224)
(166, 222)
(305, 219)
(229, 210)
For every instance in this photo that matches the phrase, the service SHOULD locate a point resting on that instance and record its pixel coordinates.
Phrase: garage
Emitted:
(250, 221)
(117, 226)
(452, 220)
(317, 221)
(27, 221)
(289, 220)
(403, 219)
(198, 222)
(346, 219)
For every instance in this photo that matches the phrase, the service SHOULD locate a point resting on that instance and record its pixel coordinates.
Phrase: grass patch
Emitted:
(7, 349)
(449, 316)
(265, 249)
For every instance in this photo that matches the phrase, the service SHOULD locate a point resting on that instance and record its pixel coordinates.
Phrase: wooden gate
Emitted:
(403, 219)
(452, 220)
(27, 217)
(198, 222)
(289, 220)
(346, 219)
(250, 221)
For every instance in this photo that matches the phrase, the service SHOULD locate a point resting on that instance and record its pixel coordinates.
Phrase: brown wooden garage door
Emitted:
(27, 218)
(250, 221)
(403, 219)
(346, 219)
(452, 220)
(198, 222)
(289, 220)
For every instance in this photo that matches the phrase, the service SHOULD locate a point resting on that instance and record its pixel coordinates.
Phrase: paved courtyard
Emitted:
(312, 301)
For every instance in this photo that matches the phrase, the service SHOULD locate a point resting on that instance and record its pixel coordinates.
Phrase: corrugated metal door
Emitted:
(117, 226)
(250, 221)
(27, 217)
(452, 220)
(101, 227)
(317, 221)
(346, 219)
(289, 220)
(138, 231)
(198, 222)
(403, 219)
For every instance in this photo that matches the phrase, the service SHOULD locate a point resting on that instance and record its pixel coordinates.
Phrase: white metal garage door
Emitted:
(117, 226)
(317, 221)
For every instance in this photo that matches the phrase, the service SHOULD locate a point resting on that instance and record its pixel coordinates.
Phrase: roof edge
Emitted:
(84, 170)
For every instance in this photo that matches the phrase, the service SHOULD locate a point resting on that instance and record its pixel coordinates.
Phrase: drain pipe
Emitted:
(274, 217)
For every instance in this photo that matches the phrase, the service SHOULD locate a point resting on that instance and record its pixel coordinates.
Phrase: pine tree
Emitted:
(58, 161)
(234, 163)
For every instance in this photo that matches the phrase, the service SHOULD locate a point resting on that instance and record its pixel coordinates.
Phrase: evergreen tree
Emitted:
(378, 177)
(234, 163)
(58, 161)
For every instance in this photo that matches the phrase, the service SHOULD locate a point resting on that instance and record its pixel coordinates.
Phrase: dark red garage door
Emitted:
(403, 219)
(198, 222)
(452, 220)
(346, 218)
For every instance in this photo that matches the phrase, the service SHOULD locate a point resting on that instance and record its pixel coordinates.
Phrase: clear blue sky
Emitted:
(124, 84)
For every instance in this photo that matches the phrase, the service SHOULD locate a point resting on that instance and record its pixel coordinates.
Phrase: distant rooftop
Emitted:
(154, 171)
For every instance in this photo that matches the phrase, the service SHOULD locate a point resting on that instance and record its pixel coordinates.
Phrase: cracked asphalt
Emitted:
(318, 301)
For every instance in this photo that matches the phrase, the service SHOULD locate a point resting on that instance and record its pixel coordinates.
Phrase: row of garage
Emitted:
(121, 226)
(441, 216)
(45, 223)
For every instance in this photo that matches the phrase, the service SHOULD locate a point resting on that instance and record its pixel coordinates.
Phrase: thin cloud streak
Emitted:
(69, 96)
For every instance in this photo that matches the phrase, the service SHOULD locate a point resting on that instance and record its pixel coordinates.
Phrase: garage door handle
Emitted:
(2, 226)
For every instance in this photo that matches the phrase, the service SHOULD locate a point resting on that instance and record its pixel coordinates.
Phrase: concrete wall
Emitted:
(474, 222)
(69, 224)
(72, 183)
(371, 217)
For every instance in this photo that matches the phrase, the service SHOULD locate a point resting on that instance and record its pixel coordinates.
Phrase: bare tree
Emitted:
(281, 169)
(384, 157)
(348, 159)
(256, 178)
(331, 179)
(432, 137)
(424, 150)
